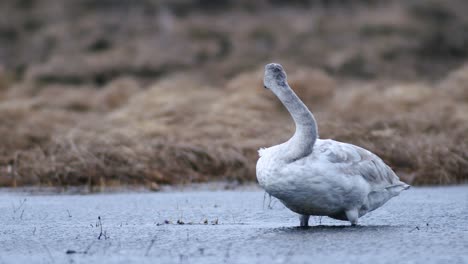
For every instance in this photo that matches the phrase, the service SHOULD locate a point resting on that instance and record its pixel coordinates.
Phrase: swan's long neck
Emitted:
(302, 142)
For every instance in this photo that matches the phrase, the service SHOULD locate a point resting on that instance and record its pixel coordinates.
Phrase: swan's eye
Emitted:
(264, 86)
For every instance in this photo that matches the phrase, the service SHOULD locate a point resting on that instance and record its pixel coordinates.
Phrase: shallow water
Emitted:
(422, 225)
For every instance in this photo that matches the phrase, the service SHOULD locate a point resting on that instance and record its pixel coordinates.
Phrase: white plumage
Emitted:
(311, 176)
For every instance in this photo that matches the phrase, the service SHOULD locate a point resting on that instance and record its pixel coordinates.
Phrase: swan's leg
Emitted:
(352, 216)
(304, 220)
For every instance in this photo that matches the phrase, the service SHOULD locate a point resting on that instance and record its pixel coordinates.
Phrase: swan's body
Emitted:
(311, 176)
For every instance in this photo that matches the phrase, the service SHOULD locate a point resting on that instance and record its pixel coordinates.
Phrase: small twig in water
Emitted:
(88, 248)
(269, 200)
(21, 203)
(427, 227)
(16, 209)
(71, 251)
(102, 234)
(150, 245)
(416, 228)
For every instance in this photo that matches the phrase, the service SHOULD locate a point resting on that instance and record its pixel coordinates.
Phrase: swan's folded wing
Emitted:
(353, 161)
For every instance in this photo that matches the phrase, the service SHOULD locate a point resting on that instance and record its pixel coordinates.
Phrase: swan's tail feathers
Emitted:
(397, 188)
(378, 198)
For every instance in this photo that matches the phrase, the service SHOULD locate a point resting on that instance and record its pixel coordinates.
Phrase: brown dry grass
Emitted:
(181, 130)
(148, 92)
(53, 41)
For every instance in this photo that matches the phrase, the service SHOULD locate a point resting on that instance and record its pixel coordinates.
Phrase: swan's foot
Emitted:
(304, 220)
(352, 216)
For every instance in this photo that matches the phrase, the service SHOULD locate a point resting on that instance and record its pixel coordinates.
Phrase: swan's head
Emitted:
(275, 77)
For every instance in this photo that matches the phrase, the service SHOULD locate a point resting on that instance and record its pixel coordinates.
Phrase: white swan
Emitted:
(312, 176)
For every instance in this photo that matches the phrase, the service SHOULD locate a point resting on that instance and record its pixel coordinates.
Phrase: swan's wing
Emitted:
(354, 161)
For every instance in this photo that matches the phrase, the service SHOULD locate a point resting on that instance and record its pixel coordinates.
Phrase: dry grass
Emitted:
(98, 42)
(182, 130)
(419, 130)
(156, 91)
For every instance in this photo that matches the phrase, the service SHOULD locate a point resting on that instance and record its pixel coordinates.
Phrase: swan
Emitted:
(321, 177)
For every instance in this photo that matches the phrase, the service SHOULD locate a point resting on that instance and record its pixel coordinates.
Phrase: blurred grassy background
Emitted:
(121, 92)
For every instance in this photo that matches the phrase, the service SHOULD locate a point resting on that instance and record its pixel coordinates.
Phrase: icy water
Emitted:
(422, 225)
